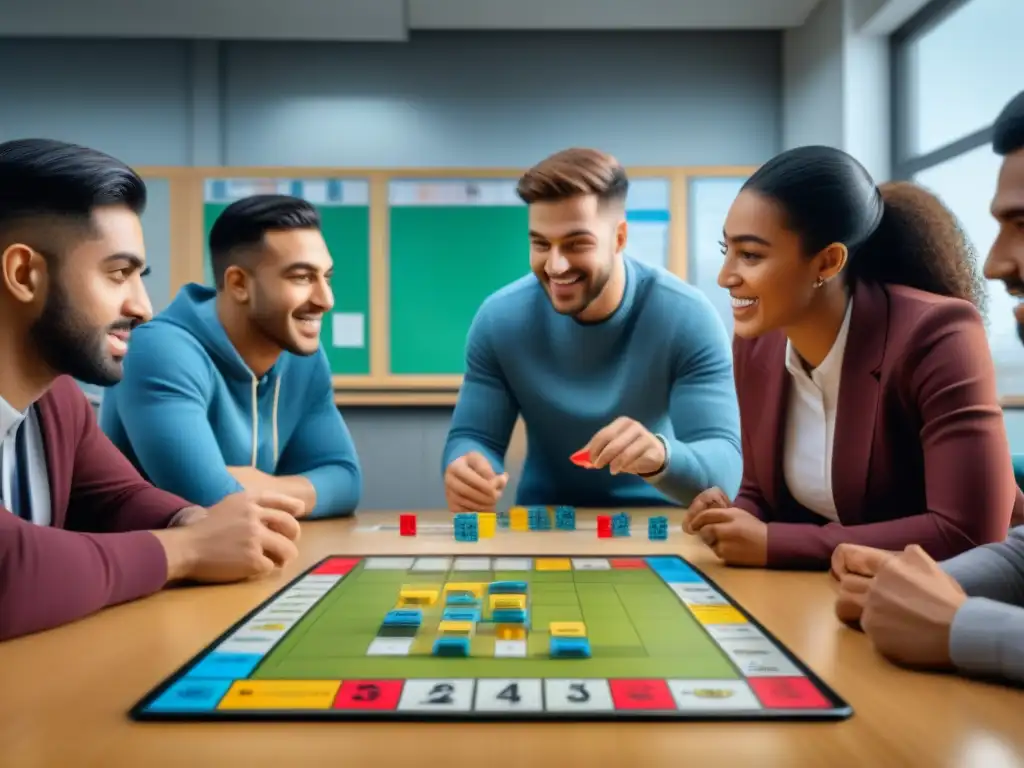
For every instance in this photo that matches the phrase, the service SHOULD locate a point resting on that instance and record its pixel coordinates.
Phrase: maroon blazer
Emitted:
(921, 454)
(97, 551)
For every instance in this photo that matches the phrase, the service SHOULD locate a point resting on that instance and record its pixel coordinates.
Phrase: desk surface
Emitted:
(64, 694)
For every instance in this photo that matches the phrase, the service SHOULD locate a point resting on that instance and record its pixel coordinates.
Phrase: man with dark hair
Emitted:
(230, 388)
(603, 356)
(79, 529)
(966, 613)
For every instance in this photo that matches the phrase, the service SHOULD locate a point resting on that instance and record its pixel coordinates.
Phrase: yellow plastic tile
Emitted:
(487, 524)
(508, 601)
(567, 629)
(518, 519)
(717, 614)
(417, 596)
(455, 628)
(510, 631)
(280, 694)
(553, 564)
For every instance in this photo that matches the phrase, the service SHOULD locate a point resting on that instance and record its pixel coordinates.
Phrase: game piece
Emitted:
(486, 523)
(570, 647)
(604, 526)
(329, 646)
(502, 518)
(565, 518)
(657, 528)
(407, 525)
(461, 600)
(499, 600)
(582, 459)
(465, 526)
(539, 518)
(620, 524)
(519, 519)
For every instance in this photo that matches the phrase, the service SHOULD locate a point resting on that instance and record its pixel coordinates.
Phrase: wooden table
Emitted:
(64, 694)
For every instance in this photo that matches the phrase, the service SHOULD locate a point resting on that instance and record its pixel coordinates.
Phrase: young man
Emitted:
(230, 388)
(599, 353)
(966, 613)
(79, 529)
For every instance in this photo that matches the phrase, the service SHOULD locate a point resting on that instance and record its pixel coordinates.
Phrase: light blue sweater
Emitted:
(662, 358)
(188, 407)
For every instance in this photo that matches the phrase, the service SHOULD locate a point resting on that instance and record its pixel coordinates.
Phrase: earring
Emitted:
(819, 282)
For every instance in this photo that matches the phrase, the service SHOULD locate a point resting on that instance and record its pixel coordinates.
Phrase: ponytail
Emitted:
(919, 243)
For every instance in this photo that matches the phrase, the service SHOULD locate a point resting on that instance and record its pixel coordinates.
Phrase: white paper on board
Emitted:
(348, 330)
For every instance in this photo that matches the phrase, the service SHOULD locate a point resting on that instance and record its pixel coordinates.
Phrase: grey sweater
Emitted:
(987, 637)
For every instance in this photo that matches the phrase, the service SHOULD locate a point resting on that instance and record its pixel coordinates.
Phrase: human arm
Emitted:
(486, 410)
(750, 498)
(704, 451)
(320, 465)
(949, 384)
(163, 409)
(994, 571)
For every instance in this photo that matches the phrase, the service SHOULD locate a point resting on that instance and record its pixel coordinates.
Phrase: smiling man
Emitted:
(600, 354)
(229, 388)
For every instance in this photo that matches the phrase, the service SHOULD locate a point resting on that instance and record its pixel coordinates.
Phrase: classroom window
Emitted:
(960, 71)
(966, 184)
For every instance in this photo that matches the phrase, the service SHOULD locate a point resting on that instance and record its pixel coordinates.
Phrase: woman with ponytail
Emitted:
(866, 388)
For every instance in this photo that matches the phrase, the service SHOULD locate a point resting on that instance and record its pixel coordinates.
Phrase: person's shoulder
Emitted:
(65, 403)
(665, 291)
(510, 306)
(915, 315)
(164, 336)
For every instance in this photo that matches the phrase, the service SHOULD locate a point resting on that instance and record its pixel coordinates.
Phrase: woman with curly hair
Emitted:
(866, 387)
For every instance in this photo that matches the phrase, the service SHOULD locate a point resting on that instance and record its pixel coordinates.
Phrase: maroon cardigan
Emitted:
(97, 551)
(920, 452)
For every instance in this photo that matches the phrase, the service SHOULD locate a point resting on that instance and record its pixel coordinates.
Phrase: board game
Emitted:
(490, 638)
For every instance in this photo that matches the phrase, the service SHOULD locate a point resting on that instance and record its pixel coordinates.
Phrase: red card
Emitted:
(582, 459)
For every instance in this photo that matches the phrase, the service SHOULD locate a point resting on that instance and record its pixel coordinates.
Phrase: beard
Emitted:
(69, 345)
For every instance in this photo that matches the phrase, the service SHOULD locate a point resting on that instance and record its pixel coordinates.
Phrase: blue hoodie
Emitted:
(189, 407)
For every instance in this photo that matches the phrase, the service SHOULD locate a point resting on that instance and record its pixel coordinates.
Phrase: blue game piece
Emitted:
(466, 526)
(508, 616)
(403, 617)
(463, 600)
(539, 518)
(565, 518)
(657, 528)
(451, 646)
(570, 648)
(620, 524)
(502, 518)
(507, 588)
(460, 614)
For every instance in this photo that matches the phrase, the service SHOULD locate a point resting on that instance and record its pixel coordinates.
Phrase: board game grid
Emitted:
(667, 644)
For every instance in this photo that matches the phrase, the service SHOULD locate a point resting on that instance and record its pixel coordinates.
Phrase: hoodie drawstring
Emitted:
(256, 419)
(277, 392)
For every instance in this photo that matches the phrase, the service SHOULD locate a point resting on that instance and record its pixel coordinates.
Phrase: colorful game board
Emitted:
(470, 637)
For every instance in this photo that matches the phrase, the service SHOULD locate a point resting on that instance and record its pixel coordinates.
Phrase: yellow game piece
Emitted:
(487, 524)
(568, 629)
(417, 596)
(455, 628)
(508, 601)
(518, 519)
(510, 631)
(280, 694)
(717, 614)
(475, 589)
(552, 564)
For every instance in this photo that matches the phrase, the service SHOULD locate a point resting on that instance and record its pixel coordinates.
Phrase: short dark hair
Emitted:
(572, 173)
(62, 182)
(898, 233)
(1008, 130)
(241, 227)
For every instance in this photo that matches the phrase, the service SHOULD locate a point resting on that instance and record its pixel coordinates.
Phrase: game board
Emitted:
(580, 638)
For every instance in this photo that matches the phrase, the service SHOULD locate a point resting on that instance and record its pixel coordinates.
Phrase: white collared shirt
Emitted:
(39, 480)
(811, 426)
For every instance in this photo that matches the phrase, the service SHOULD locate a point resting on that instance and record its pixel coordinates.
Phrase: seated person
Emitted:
(866, 387)
(599, 352)
(967, 613)
(79, 528)
(230, 389)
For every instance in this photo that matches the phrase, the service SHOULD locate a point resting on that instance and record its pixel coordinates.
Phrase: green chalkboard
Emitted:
(345, 214)
(452, 244)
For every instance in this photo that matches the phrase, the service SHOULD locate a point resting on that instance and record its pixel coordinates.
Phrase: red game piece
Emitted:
(604, 526)
(407, 525)
(582, 459)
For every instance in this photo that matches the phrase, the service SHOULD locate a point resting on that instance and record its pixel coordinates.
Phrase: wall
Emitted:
(440, 100)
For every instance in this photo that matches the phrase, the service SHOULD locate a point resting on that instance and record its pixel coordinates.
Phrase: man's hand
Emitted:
(909, 609)
(712, 498)
(257, 481)
(245, 535)
(735, 535)
(626, 445)
(472, 485)
(858, 560)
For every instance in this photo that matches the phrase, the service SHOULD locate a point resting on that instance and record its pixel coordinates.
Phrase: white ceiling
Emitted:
(380, 19)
